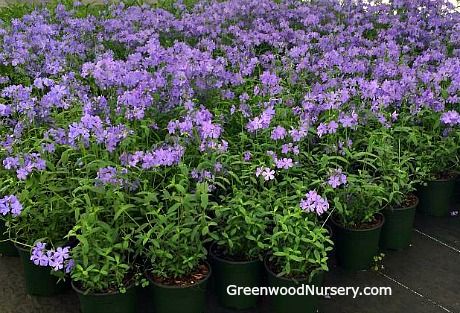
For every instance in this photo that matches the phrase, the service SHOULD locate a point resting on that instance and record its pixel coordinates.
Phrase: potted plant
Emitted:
(172, 242)
(298, 254)
(397, 173)
(356, 220)
(236, 255)
(45, 217)
(436, 147)
(103, 269)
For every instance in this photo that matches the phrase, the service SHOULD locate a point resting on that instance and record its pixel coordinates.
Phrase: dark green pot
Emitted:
(7, 248)
(107, 302)
(39, 281)
(178, 299)
(397, 230)
(241, 274)
(435, 197)
(292, 303)
(355, 248)
(456, 197)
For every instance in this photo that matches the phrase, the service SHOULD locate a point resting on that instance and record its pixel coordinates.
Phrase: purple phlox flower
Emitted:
(10, 204)
(321, 130)
(451, 118)
(218, 167)
(69, 266)
(263, 121)
(285, 163)
(210, 130)
(108, 176)
(266, 173)
(349, 121)
(11, 163)
(270, 82)
(394, 116)
(332, 127)
(38, 254)
(55, 258)
(163, 156)
(202, 175)
(247, 156)
(278, 133)
(48, 147)
(314, 203)
(5, 110)
(337, 178)
(290, 147)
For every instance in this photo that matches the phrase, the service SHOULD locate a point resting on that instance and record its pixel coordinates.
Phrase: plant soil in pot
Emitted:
(234, 271)
(180, 295)
(397, 231)
(109, 302)
(292, 303)
(355, 248)
(39, 280)
(435, 197)
(7, 248)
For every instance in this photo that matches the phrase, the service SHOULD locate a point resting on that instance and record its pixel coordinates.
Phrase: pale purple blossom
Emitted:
(314, 203)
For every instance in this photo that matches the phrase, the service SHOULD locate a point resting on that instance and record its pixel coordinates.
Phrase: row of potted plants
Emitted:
(239, 255)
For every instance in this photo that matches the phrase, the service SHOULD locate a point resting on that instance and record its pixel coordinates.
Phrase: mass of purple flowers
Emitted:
(280, 90)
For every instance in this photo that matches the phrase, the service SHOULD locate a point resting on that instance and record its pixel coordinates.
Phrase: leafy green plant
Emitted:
(298, 246)
(242, 220)
(176, 225)
(104, 257)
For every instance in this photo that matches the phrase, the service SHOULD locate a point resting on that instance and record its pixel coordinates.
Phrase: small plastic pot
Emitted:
(355, 248)
(237, 273)
(297, 303)
(397, 230)
(435, 197)
(114, 302)
(180, 299)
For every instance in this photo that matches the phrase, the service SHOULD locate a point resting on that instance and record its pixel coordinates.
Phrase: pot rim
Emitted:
(182, 287)
(22, 247)
(100, 294)
(413, 206)
(379, 225)
(214, 256)
(267, 268)
(444, 180)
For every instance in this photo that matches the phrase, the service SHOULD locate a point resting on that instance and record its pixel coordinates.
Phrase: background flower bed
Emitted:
(141, 115)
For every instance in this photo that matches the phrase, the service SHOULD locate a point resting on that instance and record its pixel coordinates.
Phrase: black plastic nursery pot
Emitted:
(180, 299)
(231, 274)
(290, 302)
(355, 248)
(435, 197)
(397, 231)
(7, 248)
(39, 281)
(456, 196)
(115, 302)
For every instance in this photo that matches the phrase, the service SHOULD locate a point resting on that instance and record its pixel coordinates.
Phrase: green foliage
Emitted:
(242, 221)
(175, 226)
(104, 256)
(299, 247)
